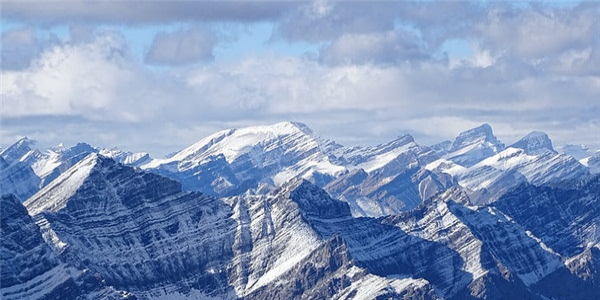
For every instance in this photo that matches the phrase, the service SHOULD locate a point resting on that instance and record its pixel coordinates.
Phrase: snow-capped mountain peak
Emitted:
(18, 150)
(474, 145)
(235, 142)
(54, 196)
(536, 142)
(374, 157)
(392, 221)
(126, 157)
(477, 135)
(270, 154)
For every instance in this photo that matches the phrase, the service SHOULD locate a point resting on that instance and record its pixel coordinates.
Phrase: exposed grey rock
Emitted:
(474, 145)
(136, 229)
(380, 194)
(18, 178)
(31, 270)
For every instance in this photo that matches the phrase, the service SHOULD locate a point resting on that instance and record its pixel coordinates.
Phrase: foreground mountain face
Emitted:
(275, 212)
(145, 238)
(142, 235)
(31, 270)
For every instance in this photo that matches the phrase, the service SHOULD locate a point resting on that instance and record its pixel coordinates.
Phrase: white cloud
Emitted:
(389, 47)
(539, 32)
(365, 86)
(97, 80)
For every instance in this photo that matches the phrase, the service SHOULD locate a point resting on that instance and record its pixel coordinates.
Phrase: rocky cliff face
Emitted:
(141, 234)
(566, 218)
(285, 250)
(18, 178)
(31, 270)
(136, 229)
(376, 194)
(29, 267)
(504, 256)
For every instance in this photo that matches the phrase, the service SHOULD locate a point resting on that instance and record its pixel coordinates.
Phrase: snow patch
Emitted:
(54, 196)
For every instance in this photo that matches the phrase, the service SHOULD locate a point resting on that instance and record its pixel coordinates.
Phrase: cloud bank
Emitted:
(370, 71)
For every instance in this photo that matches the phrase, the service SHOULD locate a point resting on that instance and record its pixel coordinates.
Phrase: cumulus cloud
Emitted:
(324, 20)
(433, 21)
(539, 32)
(387, 48)
(182, 47)
(20, 46)
(91, 79)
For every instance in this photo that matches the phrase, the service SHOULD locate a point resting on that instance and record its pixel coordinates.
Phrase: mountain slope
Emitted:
(136, 229)
(31, 270)
(386, 179)
(18, 178)
(282, 251)
(532, 159)
(248, 156)
(142, 234)
(29, 267)
(382, 250)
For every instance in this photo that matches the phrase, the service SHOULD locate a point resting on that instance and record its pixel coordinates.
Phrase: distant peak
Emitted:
(25, 140)
(79, 149)
(83, 144)
(18, 149)
(482, 130)
(405, 137)
(536, 135)
(536, 142)
(296, 125)
(55, 195)
(481, 133)
(313, 200)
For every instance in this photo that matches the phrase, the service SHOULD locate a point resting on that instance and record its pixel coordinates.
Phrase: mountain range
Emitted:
(277, 212)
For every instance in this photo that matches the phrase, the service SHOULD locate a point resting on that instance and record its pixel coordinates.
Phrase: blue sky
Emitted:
(158, 75)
